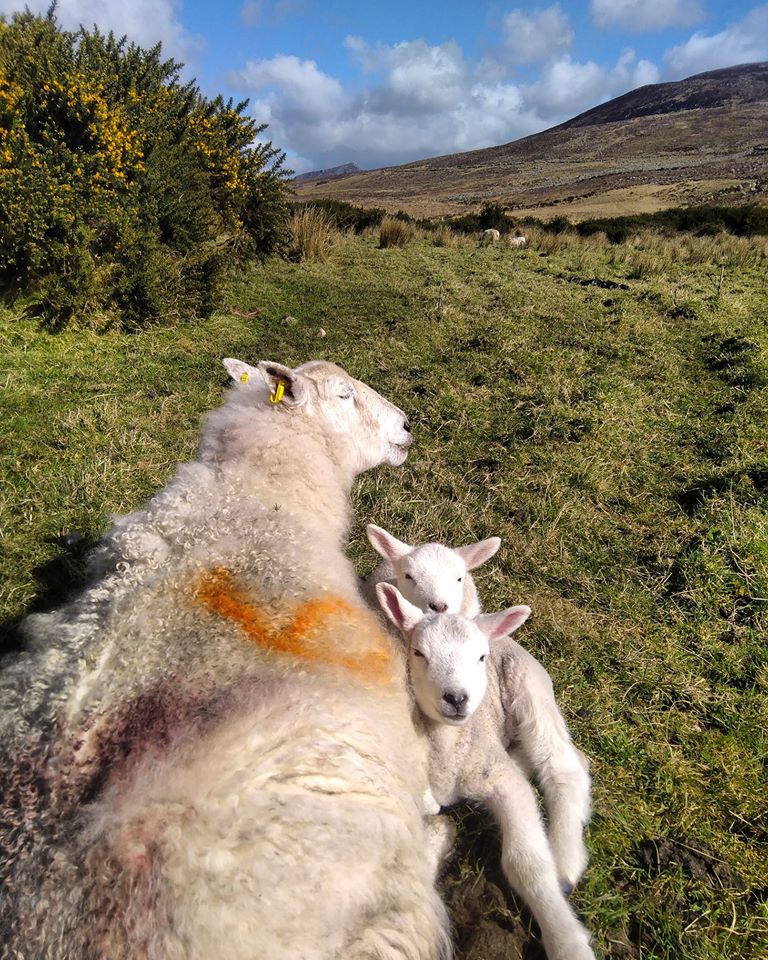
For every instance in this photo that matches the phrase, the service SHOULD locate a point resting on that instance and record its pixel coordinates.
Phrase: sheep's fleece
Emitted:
(208, 753)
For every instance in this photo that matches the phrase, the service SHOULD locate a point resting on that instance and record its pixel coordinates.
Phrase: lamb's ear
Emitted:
(385, 544)
(498, 625)
(239, 371)
(403, 614)
(295, 385)
(476, 553)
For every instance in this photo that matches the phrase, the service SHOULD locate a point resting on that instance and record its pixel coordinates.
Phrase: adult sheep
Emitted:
(517, 243)
(208, 753)
(490, 236)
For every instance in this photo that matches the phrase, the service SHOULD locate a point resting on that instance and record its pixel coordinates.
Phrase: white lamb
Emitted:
(431, 576)
(208, 754)
(489, 236)
(517, 242)
(472, 708)
(436, 579)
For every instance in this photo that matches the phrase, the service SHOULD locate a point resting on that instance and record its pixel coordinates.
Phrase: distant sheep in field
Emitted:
(517, 242)
(209, 753)
(490, 236)
(432, 576)
(490, 718)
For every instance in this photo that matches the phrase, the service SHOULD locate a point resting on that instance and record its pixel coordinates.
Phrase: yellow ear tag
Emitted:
(243, 378)
(277, 395)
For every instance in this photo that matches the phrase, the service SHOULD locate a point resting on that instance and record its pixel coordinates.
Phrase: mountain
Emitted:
(341, 171)
(699, 140)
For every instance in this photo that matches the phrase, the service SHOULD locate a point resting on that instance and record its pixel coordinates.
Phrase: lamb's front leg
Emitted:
(563, 777)
(529, 864)
(545, 749)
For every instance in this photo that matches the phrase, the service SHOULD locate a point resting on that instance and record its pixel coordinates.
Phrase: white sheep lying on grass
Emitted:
(431, 576)
(208, 754)
(473, 707)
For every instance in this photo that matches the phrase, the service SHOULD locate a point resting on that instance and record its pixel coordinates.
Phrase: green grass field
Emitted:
(613, 434)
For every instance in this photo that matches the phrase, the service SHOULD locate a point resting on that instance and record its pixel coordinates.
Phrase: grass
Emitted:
(394, 233)
(312, 233)
(603, 409)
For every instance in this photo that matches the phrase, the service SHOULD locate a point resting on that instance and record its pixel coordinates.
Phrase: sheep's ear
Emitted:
(476, 553)
(239, 371)
(295, 386)
(404, 615)
(385, 544)
(498, 625)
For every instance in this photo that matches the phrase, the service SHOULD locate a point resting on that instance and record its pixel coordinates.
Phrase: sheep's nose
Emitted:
(438, 607)
(456, 700)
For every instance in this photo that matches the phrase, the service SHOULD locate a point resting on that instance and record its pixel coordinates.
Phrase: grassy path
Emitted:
(614, 436)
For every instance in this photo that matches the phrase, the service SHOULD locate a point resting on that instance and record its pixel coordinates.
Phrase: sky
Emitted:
(381, 84)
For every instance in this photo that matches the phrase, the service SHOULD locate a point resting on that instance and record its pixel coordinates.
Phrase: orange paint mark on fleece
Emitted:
(308, 636)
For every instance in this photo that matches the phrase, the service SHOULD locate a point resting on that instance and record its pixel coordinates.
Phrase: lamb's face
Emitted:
(446, 660)
(447, 653)
(368, 429)
(432, 576)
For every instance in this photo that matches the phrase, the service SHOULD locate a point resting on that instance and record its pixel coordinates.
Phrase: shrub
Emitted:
(345, 216)
(394, 232)
(312, 233)
(123, 192)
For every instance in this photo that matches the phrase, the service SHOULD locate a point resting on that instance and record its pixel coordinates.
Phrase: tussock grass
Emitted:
(395, 233)
(613, 433)
(313, 232)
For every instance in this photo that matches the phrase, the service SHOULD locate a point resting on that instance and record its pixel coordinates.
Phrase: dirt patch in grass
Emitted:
(696, 861)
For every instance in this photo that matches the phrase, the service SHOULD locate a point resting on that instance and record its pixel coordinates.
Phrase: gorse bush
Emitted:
(124, 193)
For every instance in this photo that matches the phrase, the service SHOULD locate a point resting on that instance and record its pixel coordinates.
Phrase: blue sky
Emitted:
(388, 83)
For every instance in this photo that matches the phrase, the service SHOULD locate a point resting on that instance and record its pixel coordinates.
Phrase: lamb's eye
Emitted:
(408, 576)
(418, 653)
(482, 659)
(460, 579)
(346, 396)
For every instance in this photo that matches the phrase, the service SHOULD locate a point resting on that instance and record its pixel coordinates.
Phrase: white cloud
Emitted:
(422, 100)
(305, 91)
(417, 100)
(144, 21)
(567, 88)
(745, 41)
(544, 34)
(418, 77)
(642, 15)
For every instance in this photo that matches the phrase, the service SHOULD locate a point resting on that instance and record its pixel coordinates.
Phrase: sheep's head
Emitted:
(431, 576)
(447, 653)
(366, 429)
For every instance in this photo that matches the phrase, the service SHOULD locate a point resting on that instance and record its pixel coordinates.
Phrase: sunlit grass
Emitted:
(603, 409)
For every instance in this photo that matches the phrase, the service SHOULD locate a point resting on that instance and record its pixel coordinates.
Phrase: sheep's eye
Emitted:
(460, 579)
(345, 396)
(482, 659)
(418, 653)
(408, 576)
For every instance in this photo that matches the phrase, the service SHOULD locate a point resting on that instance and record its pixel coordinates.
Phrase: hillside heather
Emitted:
(124, 192)
(602, 407)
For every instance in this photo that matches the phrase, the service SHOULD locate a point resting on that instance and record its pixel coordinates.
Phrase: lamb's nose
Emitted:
(438, 607)
(456, 700)
(406, 426)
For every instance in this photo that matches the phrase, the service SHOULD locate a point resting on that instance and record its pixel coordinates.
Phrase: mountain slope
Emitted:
(703, 139)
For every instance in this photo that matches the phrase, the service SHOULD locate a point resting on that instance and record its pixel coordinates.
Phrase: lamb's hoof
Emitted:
(567, 887)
